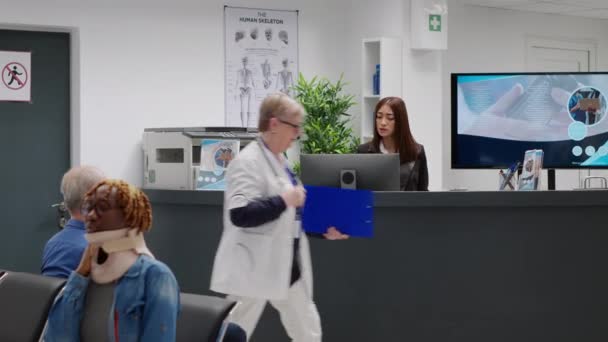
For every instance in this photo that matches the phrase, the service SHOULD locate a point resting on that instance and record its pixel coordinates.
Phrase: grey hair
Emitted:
(277, 105)
(75, 184)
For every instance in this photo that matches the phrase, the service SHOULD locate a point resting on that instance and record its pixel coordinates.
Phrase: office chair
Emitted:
(25, 301)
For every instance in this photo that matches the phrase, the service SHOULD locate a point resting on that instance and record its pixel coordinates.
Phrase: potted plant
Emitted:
(326, 127)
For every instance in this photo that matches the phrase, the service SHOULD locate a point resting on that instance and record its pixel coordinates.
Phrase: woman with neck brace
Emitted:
(145, 296)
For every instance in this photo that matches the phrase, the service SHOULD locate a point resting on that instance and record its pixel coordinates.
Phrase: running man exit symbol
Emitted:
(14, 76)
(435, 22)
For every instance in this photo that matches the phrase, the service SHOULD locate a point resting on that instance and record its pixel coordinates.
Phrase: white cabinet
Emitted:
(387, 53)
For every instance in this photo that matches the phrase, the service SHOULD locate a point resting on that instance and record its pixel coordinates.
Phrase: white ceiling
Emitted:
(582, 8)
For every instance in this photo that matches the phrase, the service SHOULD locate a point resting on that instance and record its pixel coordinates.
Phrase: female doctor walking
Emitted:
(263, 256)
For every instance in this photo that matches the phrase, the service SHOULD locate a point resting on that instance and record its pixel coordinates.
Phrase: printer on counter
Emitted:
(172, 155)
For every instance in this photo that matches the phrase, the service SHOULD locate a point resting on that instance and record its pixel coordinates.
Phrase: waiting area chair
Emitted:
(25, 301)
(203, 318)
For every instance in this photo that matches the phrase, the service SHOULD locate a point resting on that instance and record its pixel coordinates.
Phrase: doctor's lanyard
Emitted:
(292, 177)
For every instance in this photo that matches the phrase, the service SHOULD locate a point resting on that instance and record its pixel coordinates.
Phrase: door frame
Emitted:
(75, 101)
(587, 45)
(532, 41)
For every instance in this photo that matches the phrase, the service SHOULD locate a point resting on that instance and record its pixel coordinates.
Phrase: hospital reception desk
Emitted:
(442, 266)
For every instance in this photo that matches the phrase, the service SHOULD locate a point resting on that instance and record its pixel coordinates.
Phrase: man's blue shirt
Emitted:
(63, 251)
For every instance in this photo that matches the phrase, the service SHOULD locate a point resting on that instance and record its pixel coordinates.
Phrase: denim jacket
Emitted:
(148, 290)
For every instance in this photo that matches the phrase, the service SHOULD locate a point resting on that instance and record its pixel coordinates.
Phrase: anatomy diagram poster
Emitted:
(261, 58)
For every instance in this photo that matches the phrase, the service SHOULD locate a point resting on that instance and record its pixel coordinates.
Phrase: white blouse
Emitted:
(383, 149)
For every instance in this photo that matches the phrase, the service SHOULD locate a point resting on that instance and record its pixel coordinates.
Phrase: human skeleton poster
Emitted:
(261, 57)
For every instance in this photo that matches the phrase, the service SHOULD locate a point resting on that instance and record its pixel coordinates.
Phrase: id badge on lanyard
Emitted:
(294, 182)
(297, 224)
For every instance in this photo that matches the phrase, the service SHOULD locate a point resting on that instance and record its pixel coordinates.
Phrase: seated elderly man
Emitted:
(63, 251)
(143, 298)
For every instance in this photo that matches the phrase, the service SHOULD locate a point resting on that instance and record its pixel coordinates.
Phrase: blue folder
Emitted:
(350, 211)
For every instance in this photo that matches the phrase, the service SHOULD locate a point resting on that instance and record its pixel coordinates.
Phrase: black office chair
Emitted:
(202, 318)
(25, 300)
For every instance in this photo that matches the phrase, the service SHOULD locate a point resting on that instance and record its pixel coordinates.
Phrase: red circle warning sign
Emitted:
(14, 76)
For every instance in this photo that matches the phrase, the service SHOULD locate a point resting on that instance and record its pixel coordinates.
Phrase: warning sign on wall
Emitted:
(16, 76)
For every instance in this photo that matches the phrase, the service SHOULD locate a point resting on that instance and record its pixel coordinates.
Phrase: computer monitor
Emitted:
(373, 171)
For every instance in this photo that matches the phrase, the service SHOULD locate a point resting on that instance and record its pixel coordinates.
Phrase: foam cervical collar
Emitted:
(123, 246)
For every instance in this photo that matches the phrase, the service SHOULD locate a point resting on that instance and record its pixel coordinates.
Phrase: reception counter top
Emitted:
(442, 266)
(425, 199)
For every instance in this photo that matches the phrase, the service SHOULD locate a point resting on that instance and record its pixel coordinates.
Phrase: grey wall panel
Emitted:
(35, 149)
(472, 268)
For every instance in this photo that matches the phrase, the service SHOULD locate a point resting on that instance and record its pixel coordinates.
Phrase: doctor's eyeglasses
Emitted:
(289, 123)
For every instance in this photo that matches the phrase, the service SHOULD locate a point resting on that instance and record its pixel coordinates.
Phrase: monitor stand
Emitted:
(551, 179)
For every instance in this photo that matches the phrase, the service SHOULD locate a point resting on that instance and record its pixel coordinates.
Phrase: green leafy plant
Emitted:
(326, 128)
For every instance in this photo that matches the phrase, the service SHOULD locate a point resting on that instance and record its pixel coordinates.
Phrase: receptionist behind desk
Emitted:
(392, 134)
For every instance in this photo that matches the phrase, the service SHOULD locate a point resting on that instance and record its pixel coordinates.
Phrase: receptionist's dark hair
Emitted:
(408, 147)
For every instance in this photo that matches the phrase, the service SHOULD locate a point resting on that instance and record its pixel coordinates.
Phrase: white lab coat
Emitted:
(256, 262)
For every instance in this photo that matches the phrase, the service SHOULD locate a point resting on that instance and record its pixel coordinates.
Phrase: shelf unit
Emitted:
(387, 52)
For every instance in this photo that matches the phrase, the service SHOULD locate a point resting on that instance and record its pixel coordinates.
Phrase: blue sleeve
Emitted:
(258, 212)
(66, 313)
(45, 258)
(60, 259)
(161, 307)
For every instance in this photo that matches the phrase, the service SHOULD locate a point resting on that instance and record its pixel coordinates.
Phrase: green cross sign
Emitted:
(435, 22)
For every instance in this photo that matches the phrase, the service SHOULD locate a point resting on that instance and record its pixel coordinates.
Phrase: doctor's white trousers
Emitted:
(298, 314)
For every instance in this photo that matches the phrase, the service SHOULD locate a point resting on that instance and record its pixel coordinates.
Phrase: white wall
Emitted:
(422, 73)
(479, 40)
(172, 53)
(422, 80)
(366, 19)
(493, 40)
(173, 57)
(159, 64)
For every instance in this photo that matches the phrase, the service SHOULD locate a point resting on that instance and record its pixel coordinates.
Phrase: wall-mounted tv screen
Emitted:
(497, 117)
